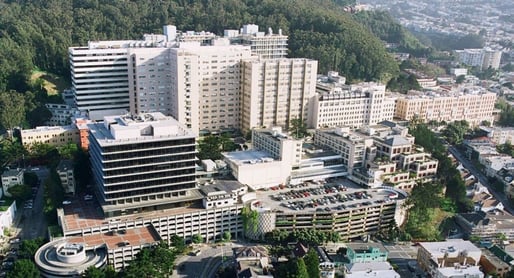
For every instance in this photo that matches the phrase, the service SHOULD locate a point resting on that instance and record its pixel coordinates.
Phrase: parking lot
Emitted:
(338, 194)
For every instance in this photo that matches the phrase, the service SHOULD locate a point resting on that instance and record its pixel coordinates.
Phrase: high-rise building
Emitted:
(99, 77)
(337, 104)
(141, 163)
(274, 92)
(205, 85)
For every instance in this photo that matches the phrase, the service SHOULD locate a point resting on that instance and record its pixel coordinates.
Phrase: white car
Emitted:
(66, 202)
(88, 197)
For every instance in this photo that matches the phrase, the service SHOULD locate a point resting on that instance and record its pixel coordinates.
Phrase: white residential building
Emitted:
(483, 58)
(61, 114)
(274, 92)
(361, 104)
(452, 258)
(499, 135)
(66, 175)
(11, 178)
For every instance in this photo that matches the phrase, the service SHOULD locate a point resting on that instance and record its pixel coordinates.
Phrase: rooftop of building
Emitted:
(127, 129)
(338, 194)
(248, 157)
(501, 221)
(454, 93)
(365, 247)
(64, 165)
(344, 132)
(396, 140)
(49, 129)
(452, 247)
(460, 271)
(497, 257)
(82, 214)
(221, 187)
(12, 172)
(115, 239)
(372, 269)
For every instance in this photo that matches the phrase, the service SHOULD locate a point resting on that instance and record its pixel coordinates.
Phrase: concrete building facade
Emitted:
(142, 162)
(337, 104)
(274, 92)
(474, 107)
(52, 135)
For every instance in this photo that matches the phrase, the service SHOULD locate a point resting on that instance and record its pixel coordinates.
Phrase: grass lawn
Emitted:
(52, 83)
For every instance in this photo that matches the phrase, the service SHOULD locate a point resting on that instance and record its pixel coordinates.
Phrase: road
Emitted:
(500, 196)
(33, 222)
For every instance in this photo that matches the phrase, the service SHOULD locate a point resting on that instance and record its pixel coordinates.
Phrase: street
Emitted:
(33, 222)
(205, 264)
(500, 196)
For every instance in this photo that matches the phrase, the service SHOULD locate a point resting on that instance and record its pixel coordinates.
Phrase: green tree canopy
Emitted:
(312, 263)
(12, 109)
(24, 268)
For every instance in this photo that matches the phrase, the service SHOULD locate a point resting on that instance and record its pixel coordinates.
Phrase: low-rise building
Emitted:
(7, 216)
(10, 178)
(487, 225)
(52, 135)
(366, 253)
(66, 175)
(472, 104)
(451, 258)
(61, 114)
(492, 263)
(277, 158)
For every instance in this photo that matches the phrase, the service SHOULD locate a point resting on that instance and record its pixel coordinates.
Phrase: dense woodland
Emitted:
(35, 34)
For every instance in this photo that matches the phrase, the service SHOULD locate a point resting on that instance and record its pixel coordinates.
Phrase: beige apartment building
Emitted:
(473, 107)
(274, 92)
(52, 135)
(205, 85)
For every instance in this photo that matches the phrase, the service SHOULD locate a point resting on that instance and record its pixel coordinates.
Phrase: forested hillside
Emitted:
(37, 33)
(384, 26)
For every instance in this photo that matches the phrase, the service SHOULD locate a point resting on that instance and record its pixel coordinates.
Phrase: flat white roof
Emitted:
(248, 157)
(128, 129)
(451, 247)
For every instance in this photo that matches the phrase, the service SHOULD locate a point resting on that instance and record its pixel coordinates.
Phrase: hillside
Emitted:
(36, 34)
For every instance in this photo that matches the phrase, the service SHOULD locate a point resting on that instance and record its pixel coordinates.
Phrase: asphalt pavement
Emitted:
(500, 196)
(33, 223)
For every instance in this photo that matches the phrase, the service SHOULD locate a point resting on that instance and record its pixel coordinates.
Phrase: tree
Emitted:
(301, 269)
(460, 79)
(93, 272)
(226, 236)
(12, 110)
(24, 268)
(29, 247)
(39, 116)
(178, 243)
(155, 261)
(298, 128)
(20, 192)
(68, 151)
(30, 178)
(210, 148)
(197, 239)
(312, 263)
